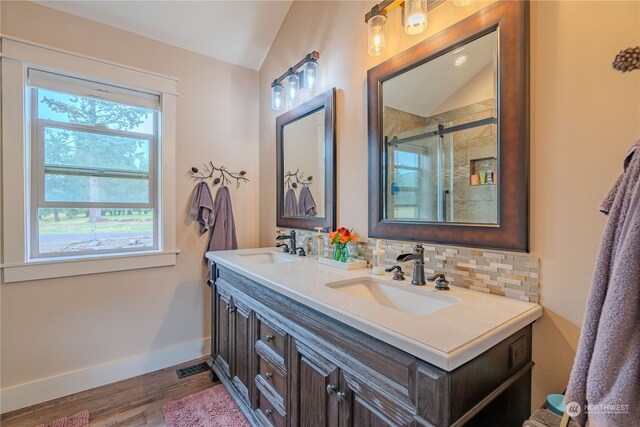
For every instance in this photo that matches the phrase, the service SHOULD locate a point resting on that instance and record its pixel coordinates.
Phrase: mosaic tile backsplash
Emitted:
(511, 274)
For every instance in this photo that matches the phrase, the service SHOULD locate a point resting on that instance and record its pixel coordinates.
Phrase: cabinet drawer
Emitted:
(272, 338)
(268, 413)
(272, 377)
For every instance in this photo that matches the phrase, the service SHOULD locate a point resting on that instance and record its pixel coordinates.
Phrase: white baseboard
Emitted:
(42, 390)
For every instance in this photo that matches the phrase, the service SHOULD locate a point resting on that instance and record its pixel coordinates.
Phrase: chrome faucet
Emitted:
(418, 265)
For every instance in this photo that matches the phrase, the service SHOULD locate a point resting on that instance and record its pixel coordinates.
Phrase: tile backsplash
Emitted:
(511, 274)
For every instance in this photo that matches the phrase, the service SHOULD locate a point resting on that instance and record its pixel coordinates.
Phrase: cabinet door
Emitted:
(222, 325)
(354, 411)
(241, 348)
(314, 383)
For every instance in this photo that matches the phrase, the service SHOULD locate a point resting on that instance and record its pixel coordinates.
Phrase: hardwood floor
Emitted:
(134, 402)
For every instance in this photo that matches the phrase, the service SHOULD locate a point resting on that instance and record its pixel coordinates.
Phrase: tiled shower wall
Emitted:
(511, 274)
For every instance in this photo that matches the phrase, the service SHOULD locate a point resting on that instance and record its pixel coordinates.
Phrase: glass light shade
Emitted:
(377, 32)
(293, 87)
(277, 97)
(311, 76)
(415, 16)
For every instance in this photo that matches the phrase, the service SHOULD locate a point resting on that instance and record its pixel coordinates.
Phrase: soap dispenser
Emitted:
(319, 242)
(377, 260)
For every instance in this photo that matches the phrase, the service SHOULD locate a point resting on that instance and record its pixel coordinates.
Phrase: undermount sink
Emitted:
(404, 298)
(269, 257)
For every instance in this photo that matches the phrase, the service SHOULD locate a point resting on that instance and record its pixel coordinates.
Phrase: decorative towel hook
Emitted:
(295, 178)
(223, 178)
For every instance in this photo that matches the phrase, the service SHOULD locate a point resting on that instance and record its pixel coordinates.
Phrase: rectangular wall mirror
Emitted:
(305, 139)
(448, 135)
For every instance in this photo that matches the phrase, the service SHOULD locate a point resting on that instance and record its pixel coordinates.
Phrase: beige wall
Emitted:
(50, 327)
(584, 116)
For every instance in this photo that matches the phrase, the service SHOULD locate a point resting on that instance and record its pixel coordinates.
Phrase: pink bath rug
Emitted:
(212, 407)
(81, 419)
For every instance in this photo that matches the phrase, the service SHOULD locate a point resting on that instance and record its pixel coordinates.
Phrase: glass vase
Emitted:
(340, 252)
(344, 255)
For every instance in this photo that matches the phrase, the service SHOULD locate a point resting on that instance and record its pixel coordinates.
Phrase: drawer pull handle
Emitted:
(228, 307)
(268, 412)
(269, 338)
(331, 388)
(341, 395)
(268, 375)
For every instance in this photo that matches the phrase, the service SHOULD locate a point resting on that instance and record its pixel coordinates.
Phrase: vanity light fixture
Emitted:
(377, 33)
(415, 16)
(277, 96)
(293, 85)
(414, 21)
(310, 72)
(286, 88)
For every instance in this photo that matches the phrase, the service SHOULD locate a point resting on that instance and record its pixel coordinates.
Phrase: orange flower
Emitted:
(344, 239)
(333, 234)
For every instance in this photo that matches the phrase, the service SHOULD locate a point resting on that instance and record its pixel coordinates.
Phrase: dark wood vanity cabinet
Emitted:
(288, 365)
(233, 340)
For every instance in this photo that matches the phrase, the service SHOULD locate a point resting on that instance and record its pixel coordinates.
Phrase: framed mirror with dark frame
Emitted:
(305, 164)
(449, 135)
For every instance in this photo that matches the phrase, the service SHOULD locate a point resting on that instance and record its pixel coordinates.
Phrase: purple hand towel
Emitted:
(306, 204)
(606, 370)
(290, 203)
(202, 207)
(222, 236)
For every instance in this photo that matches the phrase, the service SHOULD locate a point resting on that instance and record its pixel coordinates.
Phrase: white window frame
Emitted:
(17, 178)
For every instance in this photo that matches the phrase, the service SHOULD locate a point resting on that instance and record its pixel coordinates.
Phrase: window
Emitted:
(93, 157)
(88, 165)
(405, 186)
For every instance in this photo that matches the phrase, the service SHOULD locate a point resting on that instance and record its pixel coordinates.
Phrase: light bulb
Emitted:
(377, 31)
(293, 86)
(277, 97)
(415, 16)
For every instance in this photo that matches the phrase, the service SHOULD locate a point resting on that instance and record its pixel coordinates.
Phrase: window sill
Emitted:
(53, 268)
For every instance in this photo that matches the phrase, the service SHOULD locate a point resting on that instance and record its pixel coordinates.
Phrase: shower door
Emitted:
(419, 185)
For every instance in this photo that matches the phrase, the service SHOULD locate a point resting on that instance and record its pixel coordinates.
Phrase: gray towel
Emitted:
(222, 236)
(202, 207)
(306, 204)
(606, 370)
(290, 203)
(545, 418)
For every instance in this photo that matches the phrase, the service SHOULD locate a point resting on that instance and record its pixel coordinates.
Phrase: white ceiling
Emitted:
(424, 89)
(240, 32)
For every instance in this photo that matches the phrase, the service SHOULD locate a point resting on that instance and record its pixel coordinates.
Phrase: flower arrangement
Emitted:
(339, 240)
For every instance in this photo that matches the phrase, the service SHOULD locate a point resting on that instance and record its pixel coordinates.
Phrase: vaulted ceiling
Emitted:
(239, 32)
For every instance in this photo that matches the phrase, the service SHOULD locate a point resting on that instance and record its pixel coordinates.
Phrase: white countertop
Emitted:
(447, 338)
